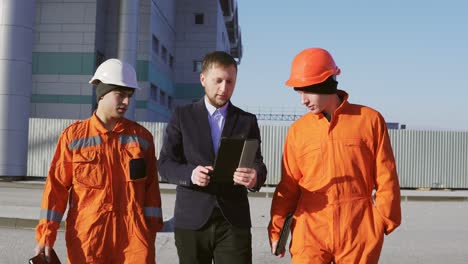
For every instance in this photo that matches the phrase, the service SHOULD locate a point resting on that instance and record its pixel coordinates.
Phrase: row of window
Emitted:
(157, 94)
(164, 52)
(160, 96)
(199, 20)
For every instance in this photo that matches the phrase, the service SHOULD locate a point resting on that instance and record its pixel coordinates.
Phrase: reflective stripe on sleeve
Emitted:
(85, 142)
(153, 212)
(51, 215)
(125, 139)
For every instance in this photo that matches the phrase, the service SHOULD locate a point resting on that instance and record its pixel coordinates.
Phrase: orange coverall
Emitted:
(110, 181)
(329, 172)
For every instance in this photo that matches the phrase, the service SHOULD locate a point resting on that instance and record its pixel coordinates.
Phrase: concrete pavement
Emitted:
(432, 220)
(20, 200)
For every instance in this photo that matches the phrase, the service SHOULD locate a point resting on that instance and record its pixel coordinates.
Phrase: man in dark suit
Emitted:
(211, 220)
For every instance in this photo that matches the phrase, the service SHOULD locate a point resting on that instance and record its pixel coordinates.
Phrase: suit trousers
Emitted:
(217, 240)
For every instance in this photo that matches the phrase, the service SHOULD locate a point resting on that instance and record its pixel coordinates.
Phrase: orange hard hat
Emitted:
(311, 66)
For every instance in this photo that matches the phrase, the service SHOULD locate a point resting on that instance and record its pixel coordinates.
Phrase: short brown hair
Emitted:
(217, 58)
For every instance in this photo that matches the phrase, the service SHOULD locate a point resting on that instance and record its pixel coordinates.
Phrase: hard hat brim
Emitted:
(300, 81)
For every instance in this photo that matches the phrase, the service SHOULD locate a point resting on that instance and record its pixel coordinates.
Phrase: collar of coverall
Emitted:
(119, 126)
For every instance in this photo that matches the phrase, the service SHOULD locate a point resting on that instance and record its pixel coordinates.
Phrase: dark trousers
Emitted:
(217, 240)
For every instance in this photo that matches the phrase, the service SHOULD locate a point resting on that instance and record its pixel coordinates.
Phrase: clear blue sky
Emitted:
(408, 59)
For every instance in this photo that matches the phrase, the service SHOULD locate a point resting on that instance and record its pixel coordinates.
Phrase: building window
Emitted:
(155, 45)
(164, 53)
(199, 19)
(162, 97)
(169, 102)
(197, 65)
(154, 92)
(171, 61)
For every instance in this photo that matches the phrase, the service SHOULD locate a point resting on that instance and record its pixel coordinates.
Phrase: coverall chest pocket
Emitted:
(137, 169)
(312, 171)
(354, 146)
(354, 154)
(136, 163)
(86, 169)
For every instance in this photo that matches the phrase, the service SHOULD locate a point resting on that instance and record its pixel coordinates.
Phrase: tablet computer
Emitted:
(232, 154)
(284, 235)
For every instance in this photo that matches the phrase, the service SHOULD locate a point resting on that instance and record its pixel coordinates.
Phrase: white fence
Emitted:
(425, 159)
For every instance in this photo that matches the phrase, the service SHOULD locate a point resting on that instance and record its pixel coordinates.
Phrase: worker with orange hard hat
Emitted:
(105, 168)
(339, 175)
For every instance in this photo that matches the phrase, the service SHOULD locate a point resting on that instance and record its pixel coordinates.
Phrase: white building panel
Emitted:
(86, 48)
(65, 78)
(70, 111)
(61, 38)
(84, 27)
(59, 88)
(60, 13)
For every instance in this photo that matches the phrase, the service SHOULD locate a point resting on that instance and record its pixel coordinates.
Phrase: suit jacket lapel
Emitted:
(201, 114)
(231, 119)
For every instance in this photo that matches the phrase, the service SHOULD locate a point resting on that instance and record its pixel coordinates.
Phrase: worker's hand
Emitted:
(274, 244)
(200, 175)
(41, 249)
(246, 177)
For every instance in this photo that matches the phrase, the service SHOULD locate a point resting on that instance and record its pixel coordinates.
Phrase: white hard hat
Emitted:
(116, 72)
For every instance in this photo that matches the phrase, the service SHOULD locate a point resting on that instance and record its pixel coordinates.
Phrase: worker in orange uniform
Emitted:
(105, 167)
(334, 157)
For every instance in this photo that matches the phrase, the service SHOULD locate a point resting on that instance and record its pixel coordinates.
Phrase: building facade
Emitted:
(164, 40)
(51, 48)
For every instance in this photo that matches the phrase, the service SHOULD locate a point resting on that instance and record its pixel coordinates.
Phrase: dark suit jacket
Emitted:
(187, 144)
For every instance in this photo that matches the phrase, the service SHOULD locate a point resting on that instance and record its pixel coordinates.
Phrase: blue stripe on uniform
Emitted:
(125, 139)
(153, 212)
(85, 142)
(51, 215)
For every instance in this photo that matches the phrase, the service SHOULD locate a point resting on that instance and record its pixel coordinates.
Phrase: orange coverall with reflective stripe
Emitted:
(109, 179)
(329, 172)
